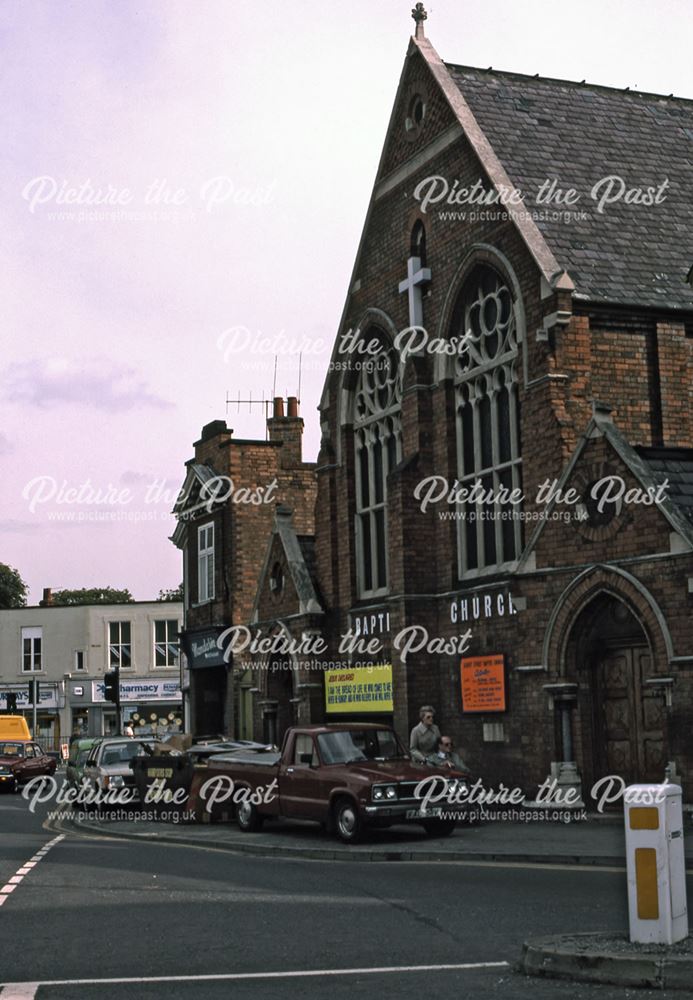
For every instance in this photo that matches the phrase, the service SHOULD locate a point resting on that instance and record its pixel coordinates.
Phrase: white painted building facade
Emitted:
(68, 649)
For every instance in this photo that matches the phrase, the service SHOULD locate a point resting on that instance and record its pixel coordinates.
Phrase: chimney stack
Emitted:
(47, 598)
(288, 430)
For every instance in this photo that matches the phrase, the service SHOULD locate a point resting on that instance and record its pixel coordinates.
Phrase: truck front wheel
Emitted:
(248, 818)
(347, 821)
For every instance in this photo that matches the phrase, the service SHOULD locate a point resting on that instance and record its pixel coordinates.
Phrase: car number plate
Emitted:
(422, 813)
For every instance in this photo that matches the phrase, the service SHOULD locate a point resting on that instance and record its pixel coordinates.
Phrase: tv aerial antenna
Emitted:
(264, 402)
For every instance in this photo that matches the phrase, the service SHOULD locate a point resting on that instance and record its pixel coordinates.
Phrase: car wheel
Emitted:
(347, 821)
(248, 818)
(439, 827)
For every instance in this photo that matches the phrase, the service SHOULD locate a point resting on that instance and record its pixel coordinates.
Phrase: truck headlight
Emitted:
(117, 781)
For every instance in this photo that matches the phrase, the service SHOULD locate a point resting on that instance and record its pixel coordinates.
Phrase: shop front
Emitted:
(208, 672)
(153, 706)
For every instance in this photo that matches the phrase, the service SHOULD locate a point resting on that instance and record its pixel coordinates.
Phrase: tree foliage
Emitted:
(92, 595)
(171, 595)
(13, 590)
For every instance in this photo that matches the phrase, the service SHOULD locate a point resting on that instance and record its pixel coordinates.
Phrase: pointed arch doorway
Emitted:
(621, 719)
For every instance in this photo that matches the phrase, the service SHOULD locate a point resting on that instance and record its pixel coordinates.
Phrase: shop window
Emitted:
(166, 643)
(205, 563)
(32, 652)
(119, 644)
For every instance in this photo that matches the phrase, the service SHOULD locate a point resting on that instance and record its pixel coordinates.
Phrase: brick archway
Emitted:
(607, 639)
(581, 592)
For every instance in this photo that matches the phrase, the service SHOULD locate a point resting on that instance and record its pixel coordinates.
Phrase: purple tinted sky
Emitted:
(111, 360)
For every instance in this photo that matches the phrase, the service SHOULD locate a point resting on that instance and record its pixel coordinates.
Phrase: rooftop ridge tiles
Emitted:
(578, 84)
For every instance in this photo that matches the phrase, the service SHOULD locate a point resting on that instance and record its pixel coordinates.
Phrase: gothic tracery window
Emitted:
(488, 431)
(378, 448)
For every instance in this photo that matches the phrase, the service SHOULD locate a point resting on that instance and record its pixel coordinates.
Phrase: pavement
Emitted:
(594, 841)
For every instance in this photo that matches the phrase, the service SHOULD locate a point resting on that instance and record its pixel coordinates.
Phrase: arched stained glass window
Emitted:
(378, 448)
(488, 425)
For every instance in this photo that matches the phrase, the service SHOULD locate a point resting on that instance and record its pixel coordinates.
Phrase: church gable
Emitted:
(286, 585)
(410, 254)
(276, 593)
(613, 503)
(420, 116)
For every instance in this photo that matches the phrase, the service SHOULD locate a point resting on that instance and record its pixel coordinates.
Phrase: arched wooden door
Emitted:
(628, 717)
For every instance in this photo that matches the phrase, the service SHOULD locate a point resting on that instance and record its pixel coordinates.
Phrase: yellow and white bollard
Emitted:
(656, 864)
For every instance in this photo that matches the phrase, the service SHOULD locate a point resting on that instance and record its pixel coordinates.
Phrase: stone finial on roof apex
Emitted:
(419, 14)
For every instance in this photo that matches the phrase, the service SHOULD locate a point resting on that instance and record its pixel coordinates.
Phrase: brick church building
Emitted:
(505, 479)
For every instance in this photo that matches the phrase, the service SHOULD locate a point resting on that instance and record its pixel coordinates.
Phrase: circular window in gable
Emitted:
(595, 520)
(415, 114)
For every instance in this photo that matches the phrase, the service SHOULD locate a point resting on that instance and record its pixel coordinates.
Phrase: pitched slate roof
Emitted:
(676, 465)
(542, 129)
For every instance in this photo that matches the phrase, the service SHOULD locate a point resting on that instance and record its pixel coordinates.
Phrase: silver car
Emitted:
(108, 766)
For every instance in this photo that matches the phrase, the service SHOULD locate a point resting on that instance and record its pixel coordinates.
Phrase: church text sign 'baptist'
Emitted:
(483, 683)
(360, 689)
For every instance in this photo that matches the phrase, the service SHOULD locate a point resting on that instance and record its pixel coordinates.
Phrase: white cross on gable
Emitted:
(417, 277)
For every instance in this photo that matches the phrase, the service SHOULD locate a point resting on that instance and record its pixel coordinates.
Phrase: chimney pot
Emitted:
(292, 406)
(278, 407)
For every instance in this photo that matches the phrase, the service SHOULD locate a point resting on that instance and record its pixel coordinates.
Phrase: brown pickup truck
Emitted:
(346, 776)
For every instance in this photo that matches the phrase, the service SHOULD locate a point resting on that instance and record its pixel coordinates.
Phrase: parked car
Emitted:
(79, 754)
(346, 776)
(108, 765)
(21, 760)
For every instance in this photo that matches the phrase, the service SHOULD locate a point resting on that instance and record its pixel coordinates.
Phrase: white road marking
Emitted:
(15, 881)
(6, 993)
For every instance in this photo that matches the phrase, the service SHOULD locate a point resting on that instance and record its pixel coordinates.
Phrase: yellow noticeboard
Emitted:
(359, 689)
